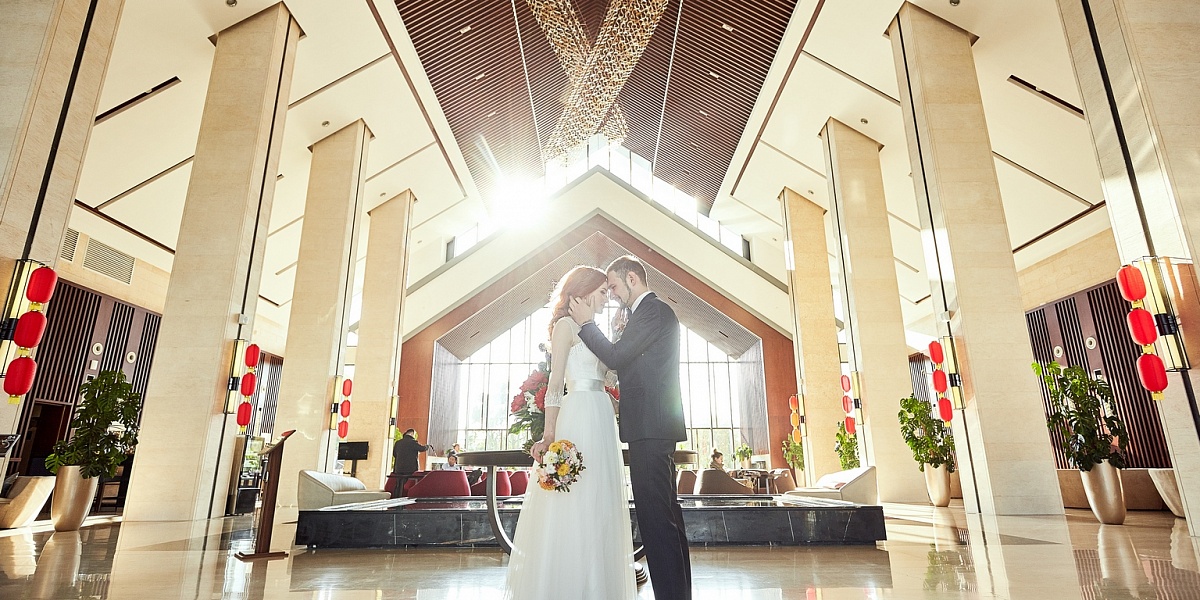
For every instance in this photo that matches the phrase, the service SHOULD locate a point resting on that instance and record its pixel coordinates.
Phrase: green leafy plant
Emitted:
(793, 453)
(928, 437)
(743, 452)
(846, 446)
(104, 428)
(1084, 416)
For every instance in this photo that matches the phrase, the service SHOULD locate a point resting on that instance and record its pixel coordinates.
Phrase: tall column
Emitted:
(1000, 435)
(380, 335)
(1138, 73)
(316, 341)
(874, 324)
(181, 471)
(53, 59)
(818, 362)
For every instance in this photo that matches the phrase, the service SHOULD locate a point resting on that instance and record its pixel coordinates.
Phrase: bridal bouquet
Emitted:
(560, 467)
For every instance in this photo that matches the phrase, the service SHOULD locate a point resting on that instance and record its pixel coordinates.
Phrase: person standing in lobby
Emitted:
(405, 459)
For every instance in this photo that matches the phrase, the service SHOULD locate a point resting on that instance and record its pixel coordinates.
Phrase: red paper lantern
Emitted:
(850, 427)
(795, 420)
(845, 383)
(1141, 326)
(794, 402)
(343, 428)
(19, 378)
(936, 355)
(249, 384)
(847, 404)
(940, 384)
(1151, 372)
(30, 328)
(41, 285)
(796, 437)
(1131, 283)
(347, 387)
(945, 410)
(344, 409)
(253, 354)
(243, 414)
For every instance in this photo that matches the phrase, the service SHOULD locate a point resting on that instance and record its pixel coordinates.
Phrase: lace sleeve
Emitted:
(560, 347)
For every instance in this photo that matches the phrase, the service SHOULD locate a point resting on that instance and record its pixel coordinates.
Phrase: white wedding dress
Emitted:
(577, 545)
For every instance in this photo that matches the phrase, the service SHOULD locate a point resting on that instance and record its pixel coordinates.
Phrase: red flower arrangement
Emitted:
(528, 409)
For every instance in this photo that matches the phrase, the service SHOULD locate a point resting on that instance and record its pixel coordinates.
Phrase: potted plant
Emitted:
(743, 454)
(793, 455)
(846, 447)
(1083, 415)
(932, 446)
(104, 431)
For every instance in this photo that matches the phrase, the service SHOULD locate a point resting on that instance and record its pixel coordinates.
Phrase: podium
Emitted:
(270, 492)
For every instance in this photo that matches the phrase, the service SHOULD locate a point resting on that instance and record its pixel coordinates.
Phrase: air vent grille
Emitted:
(105, 259)
(67, 252)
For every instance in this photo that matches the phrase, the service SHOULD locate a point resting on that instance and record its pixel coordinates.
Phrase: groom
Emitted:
(646, 359)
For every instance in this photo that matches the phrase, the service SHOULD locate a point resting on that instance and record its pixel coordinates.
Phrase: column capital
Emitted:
(908, 10)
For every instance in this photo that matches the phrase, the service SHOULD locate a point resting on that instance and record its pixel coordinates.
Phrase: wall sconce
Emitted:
(233, 389)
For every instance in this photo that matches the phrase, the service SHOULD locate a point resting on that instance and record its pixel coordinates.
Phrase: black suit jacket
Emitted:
(646, 359)
(405, 452)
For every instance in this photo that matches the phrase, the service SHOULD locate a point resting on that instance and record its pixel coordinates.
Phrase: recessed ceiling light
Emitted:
(810, 192)
(465, 29)
(863, 120)
(230, 3)
(382, 194)
(703, 114)
(714, 75)
(324, 123)
(727, 27)
(480, 76)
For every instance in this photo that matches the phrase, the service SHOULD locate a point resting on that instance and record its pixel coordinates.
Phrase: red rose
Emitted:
(539, 377)
(539, 399)
(518, 403)
(615, 392)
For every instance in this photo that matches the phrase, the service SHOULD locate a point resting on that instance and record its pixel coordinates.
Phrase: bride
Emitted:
(576, 544)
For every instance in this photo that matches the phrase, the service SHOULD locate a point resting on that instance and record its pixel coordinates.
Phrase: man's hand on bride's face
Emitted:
(581, 310)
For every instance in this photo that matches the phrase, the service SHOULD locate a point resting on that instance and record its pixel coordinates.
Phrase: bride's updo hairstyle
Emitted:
(578, 282)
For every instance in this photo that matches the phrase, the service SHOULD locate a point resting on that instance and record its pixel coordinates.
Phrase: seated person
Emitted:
(718, 460)
(452, 463)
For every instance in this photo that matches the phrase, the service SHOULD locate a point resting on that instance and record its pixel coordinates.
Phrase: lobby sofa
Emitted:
(318, 490)
(855, 485)
(25, 500)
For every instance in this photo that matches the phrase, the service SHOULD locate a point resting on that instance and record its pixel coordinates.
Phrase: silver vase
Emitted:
(937, 481)
(73, 497)
(1104, 492)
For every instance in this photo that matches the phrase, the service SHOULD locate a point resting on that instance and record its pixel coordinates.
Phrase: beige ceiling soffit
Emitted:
(387, 37)
(126, 228)
(906, 223)
(438, 214)
(909, 5)
(338, 80)
(1065, 191)
(286, 225)
(812, 21)
(1053, 230)
(287, 268)
(152, 179)
(820, 174)
(860, 82)
(1047, 96)
(756, 211)
(269, 301)
(136, 100)
(397, 163)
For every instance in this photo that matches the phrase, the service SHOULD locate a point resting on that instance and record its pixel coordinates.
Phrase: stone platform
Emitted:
(715, 520)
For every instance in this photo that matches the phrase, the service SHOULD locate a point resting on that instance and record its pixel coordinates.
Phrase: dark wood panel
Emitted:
(266, 397)
(919, 368)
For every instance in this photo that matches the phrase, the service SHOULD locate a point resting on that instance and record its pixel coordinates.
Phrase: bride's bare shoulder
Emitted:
(567, 322)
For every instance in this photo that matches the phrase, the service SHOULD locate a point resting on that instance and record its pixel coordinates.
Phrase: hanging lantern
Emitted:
(940, 383)
(794, 402)
(847, 404)
(936, 355)
(1131, 283)
(845, 383)
(244, 411)
(343, 429)
(249, 384)
(30, 329)
(1141, 326)
(795, 420)
(796, 437)
(1152, 373)
(345, 409)
(347, 387)
(19, 378)
(41, 285)
(253, 355)
(851, 428)
(945, 410)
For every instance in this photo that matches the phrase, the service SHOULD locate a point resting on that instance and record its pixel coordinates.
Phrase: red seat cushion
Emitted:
(503, 486)
(412, 480)
(441, 484)
(390, 485)
(519, 481)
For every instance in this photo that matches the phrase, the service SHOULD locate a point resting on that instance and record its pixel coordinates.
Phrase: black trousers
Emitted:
(401, 479)
(652, 473)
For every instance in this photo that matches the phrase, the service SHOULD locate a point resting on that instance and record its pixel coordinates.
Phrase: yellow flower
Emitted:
(555, 447)
(563, 469)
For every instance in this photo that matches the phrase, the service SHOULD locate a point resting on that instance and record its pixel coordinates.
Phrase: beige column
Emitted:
(182, 466)
(874, 325)
(818, 362)
(48, 99)
(316, 341)
(380, 336)
(1000, 436)
(1138, 73)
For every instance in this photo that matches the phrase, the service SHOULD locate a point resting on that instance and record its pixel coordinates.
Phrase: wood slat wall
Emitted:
(1087, 329)
(918, 370)
(266, 397)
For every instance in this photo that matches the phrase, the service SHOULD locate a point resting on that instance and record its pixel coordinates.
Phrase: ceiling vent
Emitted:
(67, 252)
(107, 260)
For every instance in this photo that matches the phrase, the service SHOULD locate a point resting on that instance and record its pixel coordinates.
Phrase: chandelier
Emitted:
(596, 73)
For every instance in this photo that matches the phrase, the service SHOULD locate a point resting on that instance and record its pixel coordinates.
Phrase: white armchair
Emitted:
(855, 485)
(318, 490)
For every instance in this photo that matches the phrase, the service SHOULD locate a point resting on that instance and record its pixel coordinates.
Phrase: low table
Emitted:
(518, 458)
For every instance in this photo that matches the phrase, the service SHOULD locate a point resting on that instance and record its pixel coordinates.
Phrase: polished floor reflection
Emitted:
(930, 553)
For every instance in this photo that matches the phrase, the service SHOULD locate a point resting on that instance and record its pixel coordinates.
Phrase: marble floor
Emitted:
(930, 553)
